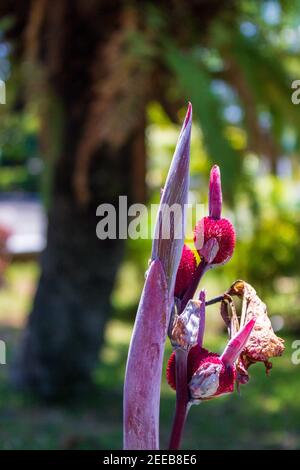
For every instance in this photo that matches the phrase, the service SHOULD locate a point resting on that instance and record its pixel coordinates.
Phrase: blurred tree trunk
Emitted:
(65, 328)
(73, 59)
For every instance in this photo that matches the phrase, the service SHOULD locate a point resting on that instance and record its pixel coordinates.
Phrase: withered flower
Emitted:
(263, 344)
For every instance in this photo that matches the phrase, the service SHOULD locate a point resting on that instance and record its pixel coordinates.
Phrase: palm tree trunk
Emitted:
(61, 343)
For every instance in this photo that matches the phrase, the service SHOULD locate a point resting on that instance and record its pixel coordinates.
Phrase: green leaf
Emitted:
(194, 82)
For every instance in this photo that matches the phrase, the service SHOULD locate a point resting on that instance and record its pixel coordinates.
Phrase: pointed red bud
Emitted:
(237, 344)
(215, 193)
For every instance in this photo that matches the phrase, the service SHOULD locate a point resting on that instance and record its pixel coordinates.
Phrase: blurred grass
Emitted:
(17, 292)
(265, 416)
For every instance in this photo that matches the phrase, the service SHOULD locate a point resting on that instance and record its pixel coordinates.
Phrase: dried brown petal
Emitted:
(262, 343)
(242, 375)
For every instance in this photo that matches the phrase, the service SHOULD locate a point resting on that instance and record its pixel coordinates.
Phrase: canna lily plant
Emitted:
(169, 307)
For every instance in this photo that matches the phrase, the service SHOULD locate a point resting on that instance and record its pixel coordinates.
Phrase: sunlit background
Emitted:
(236, 64)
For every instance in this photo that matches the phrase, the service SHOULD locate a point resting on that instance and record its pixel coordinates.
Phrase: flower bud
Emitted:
(212, 379)
(207, 375)
(214, 239)
(215, 193)
(196, 354)
(186, 270)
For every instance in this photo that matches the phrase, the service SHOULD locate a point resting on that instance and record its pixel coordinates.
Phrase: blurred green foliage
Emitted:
(238, 75)
(266, 217)
(239, 81)
(20, 159)
(264, 416)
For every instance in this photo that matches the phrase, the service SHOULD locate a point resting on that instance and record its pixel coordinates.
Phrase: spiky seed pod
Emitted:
(201, 361)
(186, 270)
(220, 230)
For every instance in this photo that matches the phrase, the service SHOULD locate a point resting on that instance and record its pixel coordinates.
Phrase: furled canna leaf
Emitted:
(145, 357)
(144, 365)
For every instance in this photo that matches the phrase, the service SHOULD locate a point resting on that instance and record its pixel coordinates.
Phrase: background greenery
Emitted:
(261, 178)
(265, 415)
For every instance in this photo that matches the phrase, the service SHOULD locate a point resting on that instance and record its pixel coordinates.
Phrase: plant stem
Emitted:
(182, 394)
(215, 300)
(182, 399)
(201, 269)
